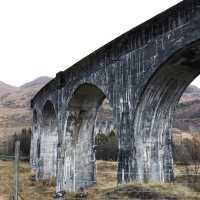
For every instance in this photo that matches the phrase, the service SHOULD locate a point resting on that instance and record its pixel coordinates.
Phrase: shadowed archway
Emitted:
(79, 138)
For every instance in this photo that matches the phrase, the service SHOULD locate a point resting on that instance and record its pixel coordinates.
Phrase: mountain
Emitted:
(5, 88)
(191, 93)
(41, 81)
(15, 112)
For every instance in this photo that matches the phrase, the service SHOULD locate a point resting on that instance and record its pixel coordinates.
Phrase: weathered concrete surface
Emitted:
(44, 143)
(142, 74)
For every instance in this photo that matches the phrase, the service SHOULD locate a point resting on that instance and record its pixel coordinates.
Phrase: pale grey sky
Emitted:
(42, 37)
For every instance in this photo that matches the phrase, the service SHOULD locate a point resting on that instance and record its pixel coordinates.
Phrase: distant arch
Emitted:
(35, 117)
(47, 143)
(35, 120)
(38, 148)
(49, 114)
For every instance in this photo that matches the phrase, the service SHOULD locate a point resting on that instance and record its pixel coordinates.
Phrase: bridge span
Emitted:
(143, 74)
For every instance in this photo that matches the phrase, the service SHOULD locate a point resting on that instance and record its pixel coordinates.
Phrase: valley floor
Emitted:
(106, 187)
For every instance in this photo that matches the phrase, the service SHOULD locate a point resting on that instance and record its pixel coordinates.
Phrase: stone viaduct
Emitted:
(143, 74)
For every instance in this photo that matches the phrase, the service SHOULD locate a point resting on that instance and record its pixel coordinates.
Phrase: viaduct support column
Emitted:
(126, 155)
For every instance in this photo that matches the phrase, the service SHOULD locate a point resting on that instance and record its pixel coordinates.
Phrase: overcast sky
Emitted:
(42, 37)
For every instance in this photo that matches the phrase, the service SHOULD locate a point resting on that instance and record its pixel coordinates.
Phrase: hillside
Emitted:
(6, 89)
(191, 93)
(187, 116)
(15, 112)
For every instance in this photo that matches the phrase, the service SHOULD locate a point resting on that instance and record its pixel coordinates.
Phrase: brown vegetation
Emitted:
(106, 187)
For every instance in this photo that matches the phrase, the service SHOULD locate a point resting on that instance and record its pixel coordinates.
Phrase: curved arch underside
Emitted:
(79, 138)
(154, 116)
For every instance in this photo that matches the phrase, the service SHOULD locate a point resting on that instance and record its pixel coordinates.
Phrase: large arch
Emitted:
(79, 137)
(47, 157)
(154, 115)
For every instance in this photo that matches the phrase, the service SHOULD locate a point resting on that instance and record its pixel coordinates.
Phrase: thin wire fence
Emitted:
(22, 158)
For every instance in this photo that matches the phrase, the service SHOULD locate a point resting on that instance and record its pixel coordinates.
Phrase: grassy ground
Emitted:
(30, 190)
(106, 187)
(5, 178)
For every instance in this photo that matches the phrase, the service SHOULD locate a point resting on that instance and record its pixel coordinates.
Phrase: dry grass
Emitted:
(29, 190)
(147, 191)
(179, 136)
(106, 173)
(5, 179)
(106, 187)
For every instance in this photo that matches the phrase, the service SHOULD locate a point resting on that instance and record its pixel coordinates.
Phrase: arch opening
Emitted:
(186, 135)
(49, 115)
(106, 146)
(81, 128)
(35, 117)
(47, 143)
(155, 112)
(35, 120)
(38, 148)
